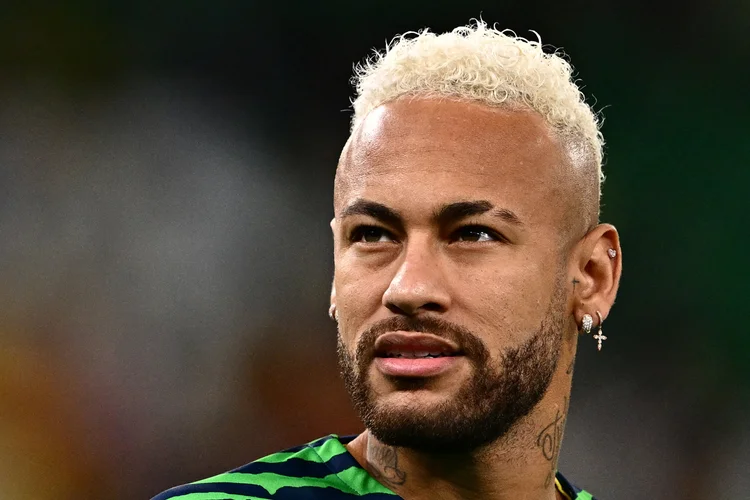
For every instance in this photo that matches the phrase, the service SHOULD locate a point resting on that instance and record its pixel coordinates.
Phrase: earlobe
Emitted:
(335, 233)
(332, 313)
(597, 271)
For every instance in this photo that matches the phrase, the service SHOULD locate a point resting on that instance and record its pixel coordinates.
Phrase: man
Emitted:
(468, 257)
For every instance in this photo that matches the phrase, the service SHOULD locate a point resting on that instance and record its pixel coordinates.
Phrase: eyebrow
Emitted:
(375, 210)
(451, 212)
(463, 209)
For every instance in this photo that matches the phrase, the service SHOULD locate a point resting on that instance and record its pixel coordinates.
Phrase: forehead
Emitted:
(429, 151)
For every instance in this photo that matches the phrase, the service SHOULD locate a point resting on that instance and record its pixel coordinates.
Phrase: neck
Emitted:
(520, 465)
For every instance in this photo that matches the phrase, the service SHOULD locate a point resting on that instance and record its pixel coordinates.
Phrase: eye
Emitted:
(476, 234)
(370, 234)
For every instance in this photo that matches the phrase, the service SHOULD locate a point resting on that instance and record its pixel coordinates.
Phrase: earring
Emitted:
(332, 313)
(612, 253)
(599, 336)
(586, 323)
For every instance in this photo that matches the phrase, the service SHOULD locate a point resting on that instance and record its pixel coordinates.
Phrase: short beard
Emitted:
(484, 409)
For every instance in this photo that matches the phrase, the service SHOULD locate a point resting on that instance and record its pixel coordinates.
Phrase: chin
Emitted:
(415, 400)
(426, 423)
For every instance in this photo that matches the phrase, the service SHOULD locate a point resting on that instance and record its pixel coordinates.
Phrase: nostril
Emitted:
(433, 307)
(396, 309)
(403, 309)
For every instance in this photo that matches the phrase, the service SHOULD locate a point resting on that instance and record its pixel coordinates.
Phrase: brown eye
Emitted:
(476, 234)
(370, 234)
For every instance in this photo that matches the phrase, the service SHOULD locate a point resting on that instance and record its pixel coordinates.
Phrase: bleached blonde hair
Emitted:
(481, 63)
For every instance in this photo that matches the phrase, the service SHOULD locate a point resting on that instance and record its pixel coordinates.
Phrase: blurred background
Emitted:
(165, 260)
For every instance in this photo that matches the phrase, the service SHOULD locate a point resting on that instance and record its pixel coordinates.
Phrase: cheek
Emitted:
(358, 297)
(506, 298)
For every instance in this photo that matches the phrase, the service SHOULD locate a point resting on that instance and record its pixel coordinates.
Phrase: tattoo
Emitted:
(549, 441)
(575, 282)
(384, 466)
(570, 366)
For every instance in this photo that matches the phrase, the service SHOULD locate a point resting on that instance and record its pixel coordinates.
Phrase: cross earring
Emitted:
(600, 336)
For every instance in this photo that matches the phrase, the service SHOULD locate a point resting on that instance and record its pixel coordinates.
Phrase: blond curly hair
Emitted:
(480, 63)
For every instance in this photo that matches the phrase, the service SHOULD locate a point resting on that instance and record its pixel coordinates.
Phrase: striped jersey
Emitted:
(322, 469)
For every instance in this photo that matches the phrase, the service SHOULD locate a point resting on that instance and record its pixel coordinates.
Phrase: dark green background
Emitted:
(671, 80)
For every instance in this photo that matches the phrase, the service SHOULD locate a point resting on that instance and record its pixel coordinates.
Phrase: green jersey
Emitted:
(322, 469)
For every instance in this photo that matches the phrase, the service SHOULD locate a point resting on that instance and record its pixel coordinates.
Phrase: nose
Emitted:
(419, 284)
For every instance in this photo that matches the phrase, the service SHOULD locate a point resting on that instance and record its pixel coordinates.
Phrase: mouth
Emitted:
(410, 354)
(416, 355)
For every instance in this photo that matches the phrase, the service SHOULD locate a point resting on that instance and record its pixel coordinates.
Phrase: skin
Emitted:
(414, 156)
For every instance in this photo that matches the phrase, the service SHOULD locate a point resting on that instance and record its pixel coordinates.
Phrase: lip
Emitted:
(413, 341)
(410, 342)
(415, 367)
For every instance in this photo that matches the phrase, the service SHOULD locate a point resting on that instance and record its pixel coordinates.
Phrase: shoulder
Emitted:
(571, 491)
(307, 471)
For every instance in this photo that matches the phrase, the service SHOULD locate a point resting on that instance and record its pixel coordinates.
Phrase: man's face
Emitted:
(450, 283)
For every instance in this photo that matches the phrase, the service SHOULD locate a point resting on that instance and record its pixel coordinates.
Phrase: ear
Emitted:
(334, 231)
(333, 285)
(596, 272)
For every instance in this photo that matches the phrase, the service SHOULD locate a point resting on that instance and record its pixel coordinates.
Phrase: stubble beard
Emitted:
(484, 409)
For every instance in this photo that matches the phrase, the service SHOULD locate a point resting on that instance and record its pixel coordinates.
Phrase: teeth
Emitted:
(417, 354)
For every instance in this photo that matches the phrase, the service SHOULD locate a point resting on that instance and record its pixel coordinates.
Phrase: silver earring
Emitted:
(612, 253)
(332, 313)
(599, 336)
(586, 323)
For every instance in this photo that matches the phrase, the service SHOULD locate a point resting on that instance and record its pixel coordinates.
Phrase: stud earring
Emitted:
(599, 336)
(332, 313)
(612, 253)
(586, 323)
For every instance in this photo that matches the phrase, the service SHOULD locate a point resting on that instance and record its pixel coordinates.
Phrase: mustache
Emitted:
(468, 342)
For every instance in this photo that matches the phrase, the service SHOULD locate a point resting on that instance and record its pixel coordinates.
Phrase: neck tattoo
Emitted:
(383, 462)
(549, 440)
